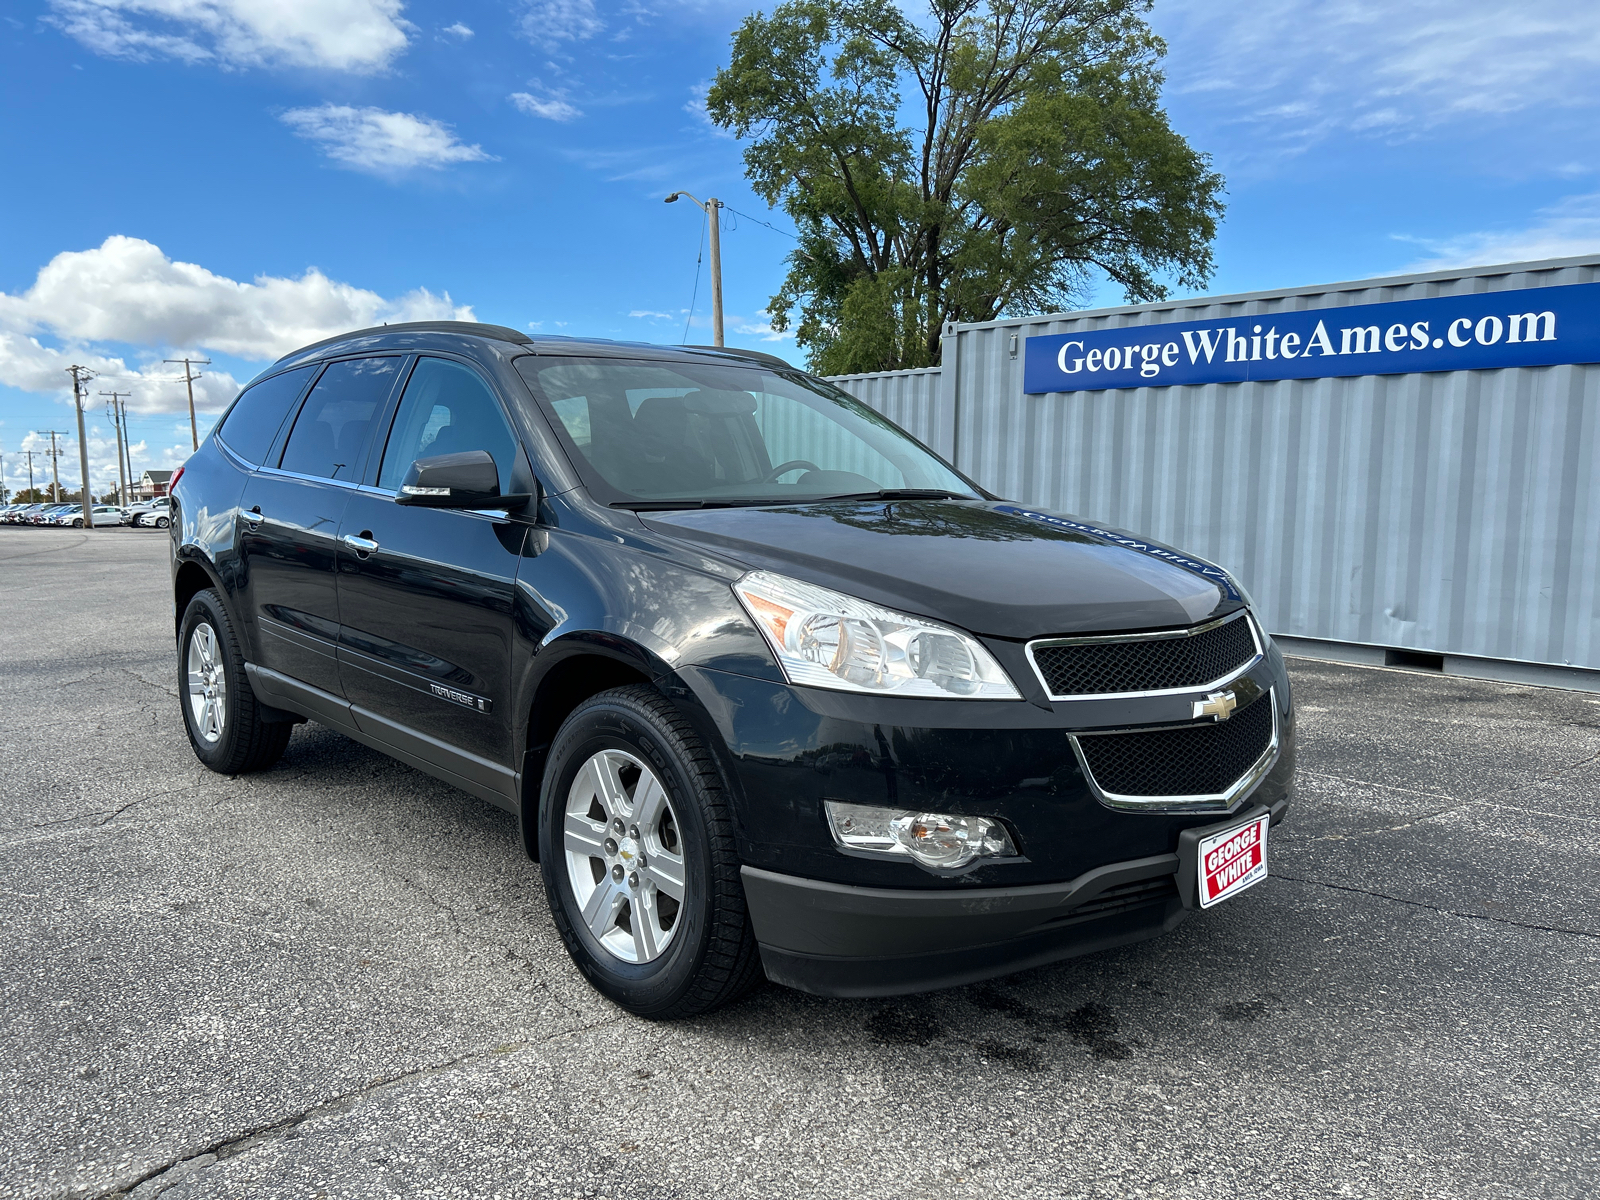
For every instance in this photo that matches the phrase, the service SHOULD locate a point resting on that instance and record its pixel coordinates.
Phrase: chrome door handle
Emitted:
(361, 545)
(254, 517)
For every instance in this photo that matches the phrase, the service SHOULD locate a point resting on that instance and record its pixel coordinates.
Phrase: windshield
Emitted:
(670, 434)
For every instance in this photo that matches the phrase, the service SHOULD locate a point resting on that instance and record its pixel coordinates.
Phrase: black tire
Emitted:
(244, 742)
(78, 524)
(712, 957)
(162, 522)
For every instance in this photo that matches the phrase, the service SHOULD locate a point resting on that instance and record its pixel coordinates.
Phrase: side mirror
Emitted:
(467, 479)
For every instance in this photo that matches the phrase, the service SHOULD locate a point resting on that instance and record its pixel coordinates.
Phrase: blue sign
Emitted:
(1526, 327)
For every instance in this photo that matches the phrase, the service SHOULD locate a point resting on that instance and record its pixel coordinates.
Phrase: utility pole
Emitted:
(189, 376)
(127, 446)
(80, 383)
(713, 210)
(31, 492)
(116, 421)
(55, 467)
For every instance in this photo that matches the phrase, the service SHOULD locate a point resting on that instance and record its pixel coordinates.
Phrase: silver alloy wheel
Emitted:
(208, 683)
(624, 856)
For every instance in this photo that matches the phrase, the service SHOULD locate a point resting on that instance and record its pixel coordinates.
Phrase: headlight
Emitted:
(940, 840)
(826, 639)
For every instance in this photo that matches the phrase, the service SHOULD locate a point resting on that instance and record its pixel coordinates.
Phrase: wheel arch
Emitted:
(192, 574)
(567, 673)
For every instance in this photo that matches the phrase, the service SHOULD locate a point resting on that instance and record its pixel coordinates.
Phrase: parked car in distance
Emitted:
(156, 516)
(48, 513)
(768, 684)
(102, 514)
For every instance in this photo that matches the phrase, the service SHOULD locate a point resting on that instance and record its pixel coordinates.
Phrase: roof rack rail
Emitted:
(501, 333)
(758, 355)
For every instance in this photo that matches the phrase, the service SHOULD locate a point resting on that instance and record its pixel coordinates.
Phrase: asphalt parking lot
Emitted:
(339, 978)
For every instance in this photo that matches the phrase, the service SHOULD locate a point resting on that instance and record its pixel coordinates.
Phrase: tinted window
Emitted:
(447, 408)
(255, 418)
(330, 433)
(693, 430)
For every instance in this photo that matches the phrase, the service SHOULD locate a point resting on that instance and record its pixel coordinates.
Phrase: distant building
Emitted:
(152, 484)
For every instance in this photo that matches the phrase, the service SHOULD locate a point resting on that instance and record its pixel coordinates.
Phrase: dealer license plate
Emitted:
(1232, 860)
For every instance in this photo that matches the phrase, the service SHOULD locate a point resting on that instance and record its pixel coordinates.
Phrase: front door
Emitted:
(426, 629)
(290, 514)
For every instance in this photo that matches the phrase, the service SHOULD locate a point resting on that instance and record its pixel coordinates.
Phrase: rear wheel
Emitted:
(220, 711)
(636, 845)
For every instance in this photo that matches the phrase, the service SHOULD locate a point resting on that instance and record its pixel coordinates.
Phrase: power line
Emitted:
(695, 295)
(759, 221)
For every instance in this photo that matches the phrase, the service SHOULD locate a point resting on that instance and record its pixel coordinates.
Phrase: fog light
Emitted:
(940, 840)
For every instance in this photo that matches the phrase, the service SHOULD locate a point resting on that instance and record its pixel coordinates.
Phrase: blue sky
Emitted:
(232, 178)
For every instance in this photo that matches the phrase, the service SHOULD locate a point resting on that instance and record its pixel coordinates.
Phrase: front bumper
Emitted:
(835, 939)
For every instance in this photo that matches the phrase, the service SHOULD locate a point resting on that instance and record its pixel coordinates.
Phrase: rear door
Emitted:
(290, 515)
(426, 612)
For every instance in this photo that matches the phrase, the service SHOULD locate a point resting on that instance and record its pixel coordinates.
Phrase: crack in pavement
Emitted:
(1450, 912)
(1457, 807)
(111, 814)
(527, 963)
(151, 1184)
(52, 550)
(1372, 783)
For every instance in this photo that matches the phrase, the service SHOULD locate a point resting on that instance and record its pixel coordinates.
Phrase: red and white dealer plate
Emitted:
(1232, 860)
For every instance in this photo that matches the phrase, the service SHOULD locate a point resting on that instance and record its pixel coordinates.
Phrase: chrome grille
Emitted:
(1141, 664)
(1206, 760)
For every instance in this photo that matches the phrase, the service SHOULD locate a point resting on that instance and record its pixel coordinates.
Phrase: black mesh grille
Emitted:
(1202, 760)
(1129, 895)
(1088, 669)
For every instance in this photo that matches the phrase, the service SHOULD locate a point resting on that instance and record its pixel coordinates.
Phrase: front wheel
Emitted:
(162, 522)
(78, 524)
(220, 710)
(637, 850)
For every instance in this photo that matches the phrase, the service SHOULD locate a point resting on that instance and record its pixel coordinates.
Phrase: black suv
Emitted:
(768, 684)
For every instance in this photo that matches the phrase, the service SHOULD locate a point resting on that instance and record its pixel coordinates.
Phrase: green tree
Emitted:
(985, 160)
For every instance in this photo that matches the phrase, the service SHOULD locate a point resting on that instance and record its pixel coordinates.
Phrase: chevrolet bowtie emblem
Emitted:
(1218, 704)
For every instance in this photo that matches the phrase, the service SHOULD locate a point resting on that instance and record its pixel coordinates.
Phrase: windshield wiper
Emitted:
(669, 505)
(902, 494)
(764, 501)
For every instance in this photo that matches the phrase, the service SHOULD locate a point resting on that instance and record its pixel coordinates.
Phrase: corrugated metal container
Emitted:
(1455, 513)
(910, 399)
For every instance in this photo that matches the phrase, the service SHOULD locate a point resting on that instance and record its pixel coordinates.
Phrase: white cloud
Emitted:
(458, 30)
(551, 105)
(1295, 71)
(696, 108)
(102, 441)
(1563, 230)
(759, 326)
(551, 22)
(646, 314)
(127, 292)
(381, 142)
(342, 35)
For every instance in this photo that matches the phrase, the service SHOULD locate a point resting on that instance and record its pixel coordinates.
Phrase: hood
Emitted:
(993, 569)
